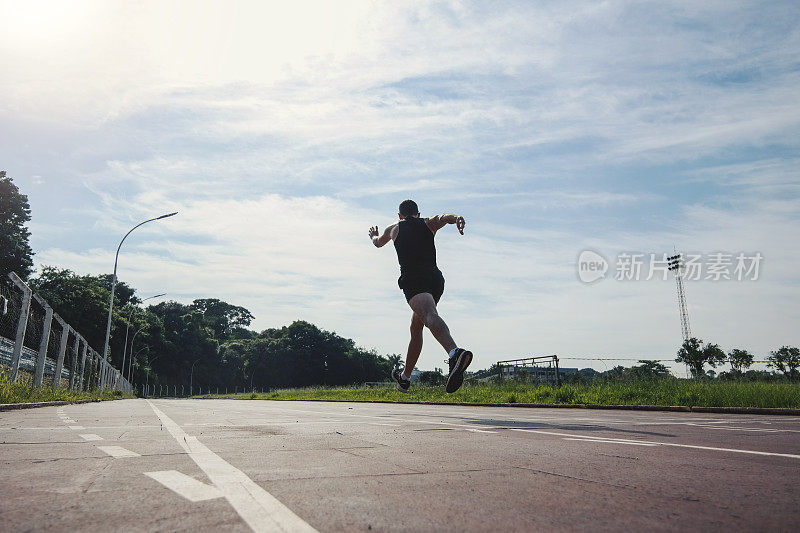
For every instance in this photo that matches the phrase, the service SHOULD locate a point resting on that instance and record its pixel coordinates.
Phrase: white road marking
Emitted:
(118, 452)
(186, 486)
(469, 427)
(628, 441)
(645, 420)
(91, 436)
(634, 443)
(257, 507)
(69, 421)
(76, 427)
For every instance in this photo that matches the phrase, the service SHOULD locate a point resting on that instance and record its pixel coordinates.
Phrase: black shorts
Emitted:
(418, 282)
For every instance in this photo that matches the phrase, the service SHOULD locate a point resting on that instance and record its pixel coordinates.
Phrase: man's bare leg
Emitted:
(424, 305)
(414, 345)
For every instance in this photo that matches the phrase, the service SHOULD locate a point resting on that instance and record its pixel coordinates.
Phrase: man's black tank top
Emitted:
(414, 245)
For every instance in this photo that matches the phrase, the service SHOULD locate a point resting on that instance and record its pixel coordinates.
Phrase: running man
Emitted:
(423, 285)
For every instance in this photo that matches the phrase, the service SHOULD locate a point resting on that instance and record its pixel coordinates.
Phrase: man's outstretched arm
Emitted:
(383, 239)
(437, 222)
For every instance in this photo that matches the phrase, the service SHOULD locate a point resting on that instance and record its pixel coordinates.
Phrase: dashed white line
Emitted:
(91, 437)
(118, 452)
(260, 509)
(76, 427)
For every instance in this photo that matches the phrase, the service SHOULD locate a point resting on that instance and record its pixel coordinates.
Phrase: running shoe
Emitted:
(401, 383)
(458, 364)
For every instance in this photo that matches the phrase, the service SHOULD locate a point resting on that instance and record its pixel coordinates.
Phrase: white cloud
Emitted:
(282, 132)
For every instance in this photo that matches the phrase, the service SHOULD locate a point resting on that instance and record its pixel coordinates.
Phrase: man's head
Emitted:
(408, 209)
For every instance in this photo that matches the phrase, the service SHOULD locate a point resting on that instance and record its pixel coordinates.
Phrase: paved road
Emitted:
(205, 465)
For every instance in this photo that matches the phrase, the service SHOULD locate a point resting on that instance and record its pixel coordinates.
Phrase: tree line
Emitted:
(696, 355)
(206, 342)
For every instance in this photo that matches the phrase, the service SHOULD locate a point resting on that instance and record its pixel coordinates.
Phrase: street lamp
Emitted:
(149, 362)
(191, 376)
(128, 325)
(130, 362)
(114, 281)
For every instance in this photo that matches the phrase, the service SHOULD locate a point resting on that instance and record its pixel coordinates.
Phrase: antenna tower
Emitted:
(675, 264)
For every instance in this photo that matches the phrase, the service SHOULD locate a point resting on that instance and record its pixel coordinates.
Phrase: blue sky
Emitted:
(281, 133)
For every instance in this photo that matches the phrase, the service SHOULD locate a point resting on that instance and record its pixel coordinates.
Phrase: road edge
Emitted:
(16, 406)
(665, 408)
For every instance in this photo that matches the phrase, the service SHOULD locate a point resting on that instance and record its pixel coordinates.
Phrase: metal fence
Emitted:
(164, 390)
(36, 339)
(542, 369)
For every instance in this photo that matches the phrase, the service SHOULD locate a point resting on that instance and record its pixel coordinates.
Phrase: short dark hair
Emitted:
(408, 208)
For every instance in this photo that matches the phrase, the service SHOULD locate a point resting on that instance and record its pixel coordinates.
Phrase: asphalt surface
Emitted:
(210, 465)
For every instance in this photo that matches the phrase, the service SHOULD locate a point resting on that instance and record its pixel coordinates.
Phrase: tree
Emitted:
(186, 337)
(301, 355)
(697, 356)
(787, 360)
(432, 377)
(222, 317)
(395, 360)
(15, 252)
(740, 359)
(82, 301)
(648, 370)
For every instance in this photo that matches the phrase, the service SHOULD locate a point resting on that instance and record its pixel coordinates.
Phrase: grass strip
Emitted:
(23, 392)
(667, 392)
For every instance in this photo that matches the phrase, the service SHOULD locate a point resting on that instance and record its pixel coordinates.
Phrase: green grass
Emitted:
(23, 392)
(668, 392)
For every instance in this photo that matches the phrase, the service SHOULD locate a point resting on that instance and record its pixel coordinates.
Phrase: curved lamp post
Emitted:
(130, 365)
(251, 379)
(149, 362)
(114, 282)
(128, 326)
(130, 361)
(191, 376)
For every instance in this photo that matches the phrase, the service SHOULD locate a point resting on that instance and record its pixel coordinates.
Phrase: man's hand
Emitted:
(383, 239)
(460, 223)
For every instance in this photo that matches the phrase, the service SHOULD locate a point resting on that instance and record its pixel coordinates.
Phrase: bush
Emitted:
(432, 377)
